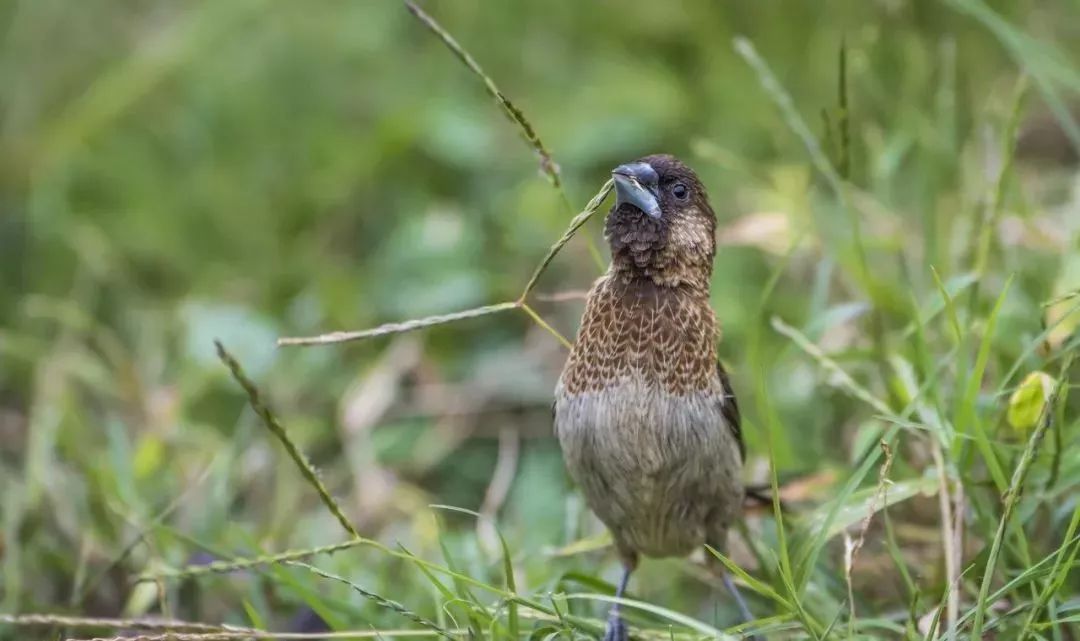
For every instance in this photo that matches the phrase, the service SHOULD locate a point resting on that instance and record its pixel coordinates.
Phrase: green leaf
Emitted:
(1027, 402)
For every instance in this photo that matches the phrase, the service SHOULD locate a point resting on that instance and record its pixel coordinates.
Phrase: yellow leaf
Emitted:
(1027, 402)
(149, 457)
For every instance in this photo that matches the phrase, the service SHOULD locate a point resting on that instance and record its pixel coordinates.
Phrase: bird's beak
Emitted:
(636, 183)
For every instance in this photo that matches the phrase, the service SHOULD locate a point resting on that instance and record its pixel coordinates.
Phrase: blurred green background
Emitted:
(174, 172)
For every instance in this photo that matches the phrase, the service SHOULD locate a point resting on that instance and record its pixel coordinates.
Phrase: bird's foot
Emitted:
(616, 629)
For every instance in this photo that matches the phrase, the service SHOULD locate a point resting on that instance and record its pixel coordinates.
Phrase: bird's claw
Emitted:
(616, 629)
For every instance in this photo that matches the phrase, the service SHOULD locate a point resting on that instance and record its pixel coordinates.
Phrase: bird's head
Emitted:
(661, 227)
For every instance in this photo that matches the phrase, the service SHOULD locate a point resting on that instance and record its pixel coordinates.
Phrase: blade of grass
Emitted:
(670, 615)
(252, 613)
(1059, 426)
(511, 586)
(240, 636)
(935, 623)
(949, 306)
(783, 101)
(333, 611)
(1037, 58)
(377, 599)
(575, 223)
(397, 328)
(809, 623)
(80, 593)
(307, 470)
(464, 594)
(951, 534)
(539, 320)
(234, 565)
(440, 587)
(951, 542)
(840, 377)
(950, 505)
(851, 507)
(510, 110)
(967, 420)
(193, 630)
(1031, 347)
(508, 568)
(772, 428)
(989, 225)
(516, 116)
(1012, 497)
(843, 118)
(754, 584)
(48, 620)
(1062, 565)
(405, 555)
(952, 287)
(866, 502)
(1040, 569)
(414, 324)
(852, 551)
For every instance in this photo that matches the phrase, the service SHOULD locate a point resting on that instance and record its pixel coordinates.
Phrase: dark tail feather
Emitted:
(758, 497)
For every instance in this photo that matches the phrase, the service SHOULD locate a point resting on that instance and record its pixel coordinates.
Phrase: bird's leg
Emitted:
(733, 589)
(616, 628)
(725, 576)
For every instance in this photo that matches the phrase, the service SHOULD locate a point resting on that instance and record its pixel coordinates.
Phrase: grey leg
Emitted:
(616, 628)
(744, 611)
(718, 542)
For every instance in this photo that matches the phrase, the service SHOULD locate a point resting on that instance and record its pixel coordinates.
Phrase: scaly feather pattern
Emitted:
(645, 415)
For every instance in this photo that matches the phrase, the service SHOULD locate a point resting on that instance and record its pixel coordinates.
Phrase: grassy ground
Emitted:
(897, 281)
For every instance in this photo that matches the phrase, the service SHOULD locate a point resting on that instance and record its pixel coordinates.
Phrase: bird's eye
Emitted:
(680, 191)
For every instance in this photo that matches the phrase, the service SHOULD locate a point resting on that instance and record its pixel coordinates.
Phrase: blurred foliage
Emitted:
(174, 172)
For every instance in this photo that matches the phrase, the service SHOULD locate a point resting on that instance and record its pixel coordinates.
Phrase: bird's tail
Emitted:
(759, 498)
(796, 489)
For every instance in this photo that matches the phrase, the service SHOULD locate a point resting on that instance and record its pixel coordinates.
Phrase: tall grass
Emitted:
(940, 519)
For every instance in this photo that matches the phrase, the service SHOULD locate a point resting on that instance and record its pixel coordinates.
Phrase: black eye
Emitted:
(680, 191)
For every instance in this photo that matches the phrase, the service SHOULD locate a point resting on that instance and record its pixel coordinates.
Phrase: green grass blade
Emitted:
(277, 429)
(377, 599)
(1012, 497)
(237, 564)
(967, 420)
(1065, 561)
(681, 619)
(807, 557)
(754, 584)
(511, 586)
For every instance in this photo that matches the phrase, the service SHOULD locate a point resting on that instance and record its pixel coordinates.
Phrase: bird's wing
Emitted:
(730, 409)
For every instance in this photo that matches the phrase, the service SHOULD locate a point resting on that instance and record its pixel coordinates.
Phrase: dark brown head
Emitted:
(661, 226)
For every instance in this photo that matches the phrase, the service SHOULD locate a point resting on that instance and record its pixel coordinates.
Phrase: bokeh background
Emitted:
(174, 172)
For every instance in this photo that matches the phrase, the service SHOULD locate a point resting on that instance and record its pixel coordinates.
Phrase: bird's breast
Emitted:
(639, 331)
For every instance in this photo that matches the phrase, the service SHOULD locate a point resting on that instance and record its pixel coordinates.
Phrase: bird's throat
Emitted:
(648, 249)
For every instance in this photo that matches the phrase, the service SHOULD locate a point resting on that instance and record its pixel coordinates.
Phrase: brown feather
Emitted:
(644, 412)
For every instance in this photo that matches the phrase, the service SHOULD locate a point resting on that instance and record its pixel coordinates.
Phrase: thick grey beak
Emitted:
(636, 183)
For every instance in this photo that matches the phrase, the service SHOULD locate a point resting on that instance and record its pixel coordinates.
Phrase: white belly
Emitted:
(661, 470)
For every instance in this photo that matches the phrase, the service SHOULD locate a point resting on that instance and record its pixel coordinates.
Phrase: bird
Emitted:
(644, 412)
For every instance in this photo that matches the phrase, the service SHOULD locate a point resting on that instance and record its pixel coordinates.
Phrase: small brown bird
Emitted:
(644, 412)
